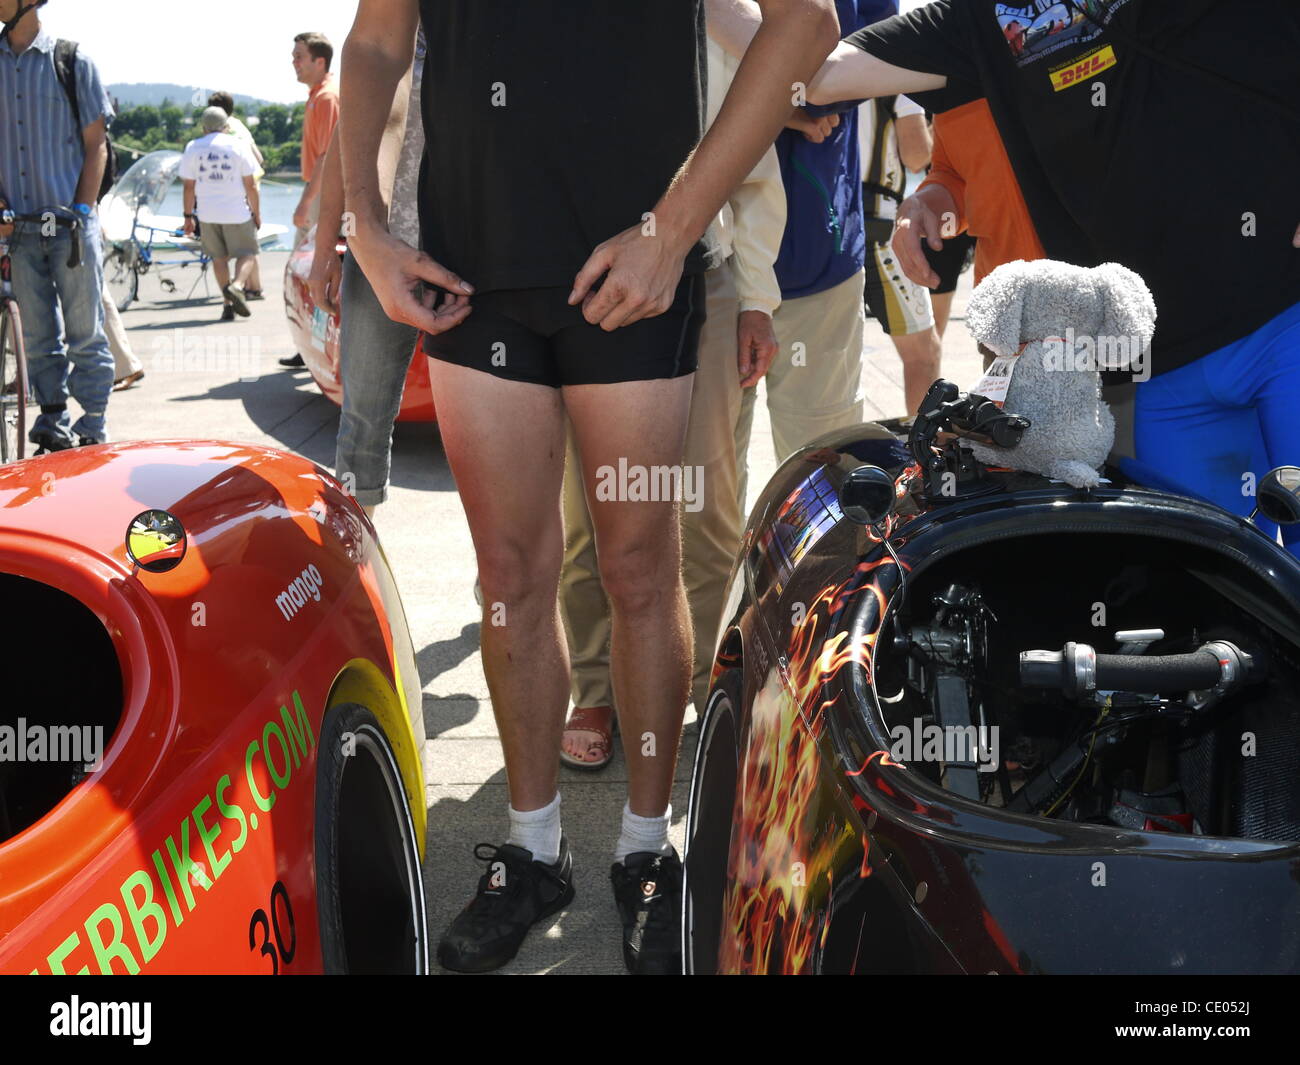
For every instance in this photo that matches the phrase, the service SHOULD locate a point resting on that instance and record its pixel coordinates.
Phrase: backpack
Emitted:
(65, 66)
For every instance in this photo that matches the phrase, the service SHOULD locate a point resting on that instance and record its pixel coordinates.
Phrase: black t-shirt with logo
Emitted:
(551, 127)
(1160, 134)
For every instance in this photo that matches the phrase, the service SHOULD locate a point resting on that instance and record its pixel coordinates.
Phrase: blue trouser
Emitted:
(63, 328)
(374, 357)
(1214, 427)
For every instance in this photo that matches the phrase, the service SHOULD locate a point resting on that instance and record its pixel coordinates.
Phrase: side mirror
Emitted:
(1278, 495)
(156, 541)
(867, 495)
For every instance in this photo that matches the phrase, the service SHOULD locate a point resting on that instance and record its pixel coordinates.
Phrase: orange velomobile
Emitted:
(315, 333)
(210, 741)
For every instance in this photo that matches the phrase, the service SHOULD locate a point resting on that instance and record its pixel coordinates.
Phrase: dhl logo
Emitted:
(1090, 64)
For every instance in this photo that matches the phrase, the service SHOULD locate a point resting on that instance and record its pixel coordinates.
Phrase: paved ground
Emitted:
(240, 393)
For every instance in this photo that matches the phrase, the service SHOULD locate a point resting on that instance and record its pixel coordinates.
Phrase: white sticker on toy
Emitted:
(996, 381)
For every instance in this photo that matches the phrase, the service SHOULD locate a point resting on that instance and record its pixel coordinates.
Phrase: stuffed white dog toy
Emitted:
(1054, 326)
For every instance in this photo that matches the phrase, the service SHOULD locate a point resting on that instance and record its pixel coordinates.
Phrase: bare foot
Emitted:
(587, 742)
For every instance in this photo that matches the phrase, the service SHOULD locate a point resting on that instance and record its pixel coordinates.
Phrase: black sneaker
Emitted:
(235, 294)
(227, 313)
(88, 441)
(648, 892)
(293, 362)
(48, 442)
(251, 294)
(513, 895)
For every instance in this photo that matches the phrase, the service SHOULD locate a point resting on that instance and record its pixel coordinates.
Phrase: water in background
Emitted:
(279, 198)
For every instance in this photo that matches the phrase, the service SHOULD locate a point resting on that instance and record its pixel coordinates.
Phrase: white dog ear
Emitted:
(1129, 309)
(996, 309)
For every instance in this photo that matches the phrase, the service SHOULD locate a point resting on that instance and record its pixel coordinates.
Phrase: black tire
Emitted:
(708, 827)
(120, 275)
(13, 386)
(369, 889)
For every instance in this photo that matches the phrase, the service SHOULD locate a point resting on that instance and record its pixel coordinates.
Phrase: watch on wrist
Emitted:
(82, 209)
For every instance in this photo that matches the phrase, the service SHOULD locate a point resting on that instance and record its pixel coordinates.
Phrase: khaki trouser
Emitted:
(125, 362)
(815, 383)
(710, 535)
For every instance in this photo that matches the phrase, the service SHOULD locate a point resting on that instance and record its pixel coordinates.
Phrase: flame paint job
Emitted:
(199, 701)
(842, 860)
(321, 354)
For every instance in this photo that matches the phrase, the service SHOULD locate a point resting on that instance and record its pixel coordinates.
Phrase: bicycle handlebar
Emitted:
(1078, 669)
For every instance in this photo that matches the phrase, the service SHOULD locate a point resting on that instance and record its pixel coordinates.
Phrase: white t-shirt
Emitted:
(218, 163)
(888, 170)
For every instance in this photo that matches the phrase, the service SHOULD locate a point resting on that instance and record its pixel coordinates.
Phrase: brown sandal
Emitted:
(597, 719)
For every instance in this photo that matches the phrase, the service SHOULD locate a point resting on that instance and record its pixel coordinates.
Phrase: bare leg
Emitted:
(509, 483)
(638, 542)
(920, 353)
(221, 270)
(244, 269)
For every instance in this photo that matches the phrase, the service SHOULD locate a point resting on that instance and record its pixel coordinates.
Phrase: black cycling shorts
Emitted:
(951, 262)
(533, 335)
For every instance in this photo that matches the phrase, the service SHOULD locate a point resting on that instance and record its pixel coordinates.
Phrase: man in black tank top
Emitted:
(563, 203)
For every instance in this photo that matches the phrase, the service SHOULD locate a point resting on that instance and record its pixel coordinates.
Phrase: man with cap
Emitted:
(218, 170)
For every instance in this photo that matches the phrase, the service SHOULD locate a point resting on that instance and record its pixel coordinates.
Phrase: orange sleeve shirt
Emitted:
(971, 163)
(318, 124)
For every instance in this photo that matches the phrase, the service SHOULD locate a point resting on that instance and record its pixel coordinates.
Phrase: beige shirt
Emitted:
(238, 129)
(752, 222)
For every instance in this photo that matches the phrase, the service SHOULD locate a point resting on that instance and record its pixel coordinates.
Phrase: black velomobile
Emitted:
(972, 720)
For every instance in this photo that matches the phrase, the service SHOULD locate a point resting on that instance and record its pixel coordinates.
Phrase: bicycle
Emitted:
(128, 260)
(15, 388)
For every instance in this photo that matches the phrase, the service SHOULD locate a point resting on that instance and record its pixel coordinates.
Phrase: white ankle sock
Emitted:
(643, 834)
(537, 830)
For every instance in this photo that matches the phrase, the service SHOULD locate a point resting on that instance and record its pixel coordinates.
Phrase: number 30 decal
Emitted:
(279, 952)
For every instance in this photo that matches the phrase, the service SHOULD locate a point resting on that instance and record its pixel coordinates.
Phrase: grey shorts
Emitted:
(231, 240)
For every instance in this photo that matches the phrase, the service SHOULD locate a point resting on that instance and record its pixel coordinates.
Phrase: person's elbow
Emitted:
(915, 157)
(827, 85)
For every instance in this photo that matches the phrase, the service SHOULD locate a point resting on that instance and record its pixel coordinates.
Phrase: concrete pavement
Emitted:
(237, 391)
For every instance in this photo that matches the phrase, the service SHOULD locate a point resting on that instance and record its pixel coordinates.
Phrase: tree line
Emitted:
(145, 128)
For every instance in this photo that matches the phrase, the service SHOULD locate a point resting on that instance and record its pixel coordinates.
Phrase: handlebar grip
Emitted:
(1158, 673)
(1078, 669)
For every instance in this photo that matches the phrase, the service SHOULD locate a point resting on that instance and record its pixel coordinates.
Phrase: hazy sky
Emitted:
(237, 45)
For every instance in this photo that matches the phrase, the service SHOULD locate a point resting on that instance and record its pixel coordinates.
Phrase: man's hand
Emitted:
(325, 278)
(395, 271)
(641, 275)
(815, 128)
(257, 221)
(1295, 241)
(756, 346)
(188, 227)
(917, 222)
(301, 217)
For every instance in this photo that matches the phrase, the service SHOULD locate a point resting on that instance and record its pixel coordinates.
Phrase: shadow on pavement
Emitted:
(441, 655)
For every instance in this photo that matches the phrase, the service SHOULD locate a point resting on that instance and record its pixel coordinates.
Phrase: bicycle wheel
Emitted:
(120, 273)
(13, 385)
